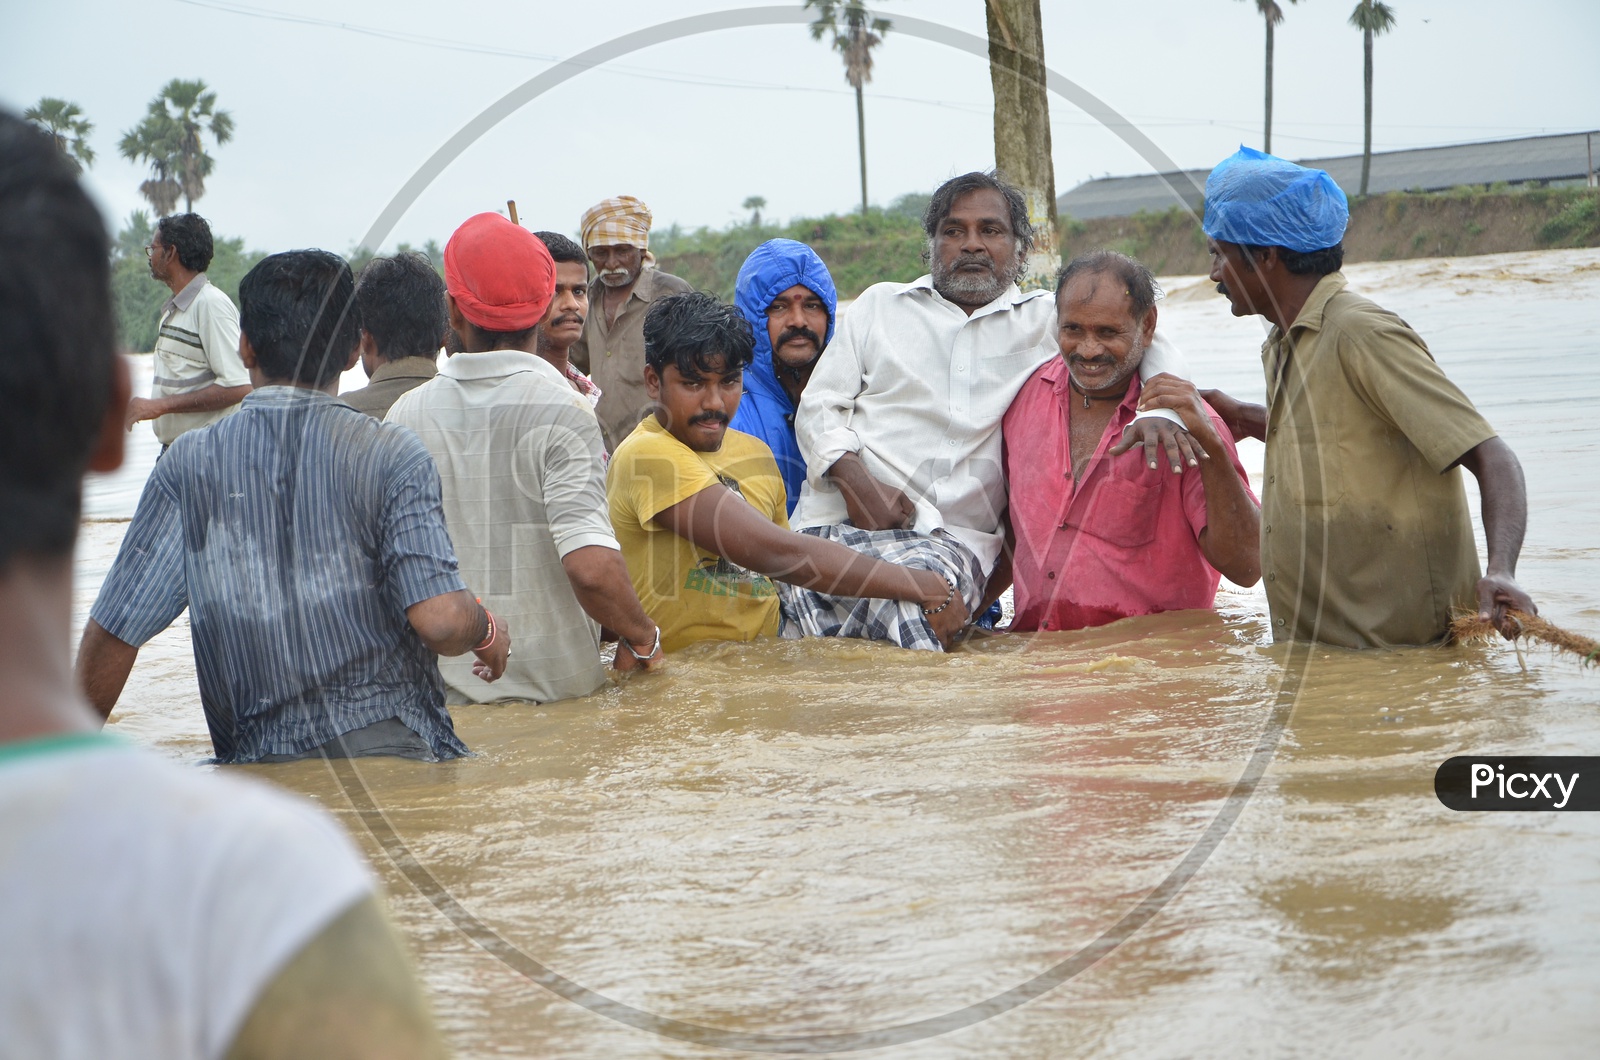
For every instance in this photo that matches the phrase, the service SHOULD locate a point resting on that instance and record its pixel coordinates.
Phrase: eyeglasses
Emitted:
(151, 248)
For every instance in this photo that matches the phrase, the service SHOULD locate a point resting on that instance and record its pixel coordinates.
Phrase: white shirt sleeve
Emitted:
(822, 422)
(1162, 356)
(219, 336)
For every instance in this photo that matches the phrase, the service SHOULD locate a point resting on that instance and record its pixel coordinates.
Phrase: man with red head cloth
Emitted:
(519, 455)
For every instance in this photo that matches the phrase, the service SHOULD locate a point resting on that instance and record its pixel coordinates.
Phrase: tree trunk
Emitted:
(1022, 124)
(1366, 143)
(861, 144)
(1266, 135)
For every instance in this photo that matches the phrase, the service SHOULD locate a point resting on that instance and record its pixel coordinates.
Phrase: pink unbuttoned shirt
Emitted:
(1124, 541)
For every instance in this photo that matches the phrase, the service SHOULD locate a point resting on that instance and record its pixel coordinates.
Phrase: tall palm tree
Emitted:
(855, 33)
(66, 124)
(169, 138)
(1371, 17)
(1272, 14)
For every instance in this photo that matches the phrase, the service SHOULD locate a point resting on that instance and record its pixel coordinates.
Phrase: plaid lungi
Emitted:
(812, 614)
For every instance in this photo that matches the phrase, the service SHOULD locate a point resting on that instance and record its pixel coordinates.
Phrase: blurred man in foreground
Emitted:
(151, 910)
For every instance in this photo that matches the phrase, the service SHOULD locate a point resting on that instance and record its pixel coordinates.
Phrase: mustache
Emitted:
(568, 318)
(1222, 289)
(973, 259)
(1075, 359)
(709, 417)
(800, 332)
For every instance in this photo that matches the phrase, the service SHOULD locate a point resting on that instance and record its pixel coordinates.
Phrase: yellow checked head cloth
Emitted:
(618, 220)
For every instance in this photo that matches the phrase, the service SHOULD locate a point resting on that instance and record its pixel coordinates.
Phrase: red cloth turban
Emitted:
(501, 276)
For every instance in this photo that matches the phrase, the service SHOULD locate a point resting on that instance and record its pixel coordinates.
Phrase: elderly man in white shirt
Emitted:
(900, 425)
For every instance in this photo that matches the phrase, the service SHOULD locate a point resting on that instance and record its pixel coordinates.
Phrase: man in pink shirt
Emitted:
(1098, 533)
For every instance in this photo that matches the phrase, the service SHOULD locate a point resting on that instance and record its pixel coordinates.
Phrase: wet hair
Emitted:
(689, 331)
(57, 342)
(1135, 278)
(563, 249)
(1304, 262)
(298, 309)
(401, 302)
(190, 236)
(944, 199)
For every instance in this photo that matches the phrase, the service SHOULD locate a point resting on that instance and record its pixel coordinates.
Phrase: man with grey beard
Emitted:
(900, 424)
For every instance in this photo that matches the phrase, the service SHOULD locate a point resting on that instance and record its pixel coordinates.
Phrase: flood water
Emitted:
(837, 845)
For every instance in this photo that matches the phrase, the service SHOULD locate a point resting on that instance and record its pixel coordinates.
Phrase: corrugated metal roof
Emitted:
(1542, 158)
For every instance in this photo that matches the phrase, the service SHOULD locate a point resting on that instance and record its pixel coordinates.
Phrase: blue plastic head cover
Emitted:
(1265, 201)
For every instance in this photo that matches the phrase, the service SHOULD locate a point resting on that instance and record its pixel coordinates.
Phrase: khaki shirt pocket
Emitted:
(1306, 466)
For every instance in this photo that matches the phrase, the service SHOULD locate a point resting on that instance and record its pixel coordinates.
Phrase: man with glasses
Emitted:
(199, 377)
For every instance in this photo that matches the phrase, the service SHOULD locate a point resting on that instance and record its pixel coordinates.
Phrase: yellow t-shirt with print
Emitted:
(690, 593)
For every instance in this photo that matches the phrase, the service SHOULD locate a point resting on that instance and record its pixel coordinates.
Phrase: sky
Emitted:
(337, 104)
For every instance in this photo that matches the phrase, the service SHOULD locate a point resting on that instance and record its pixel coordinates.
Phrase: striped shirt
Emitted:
(197, 346)
(297, 532)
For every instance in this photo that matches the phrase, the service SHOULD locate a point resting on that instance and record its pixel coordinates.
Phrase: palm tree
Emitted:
(755, 204)
(169, 139)
(1371, 17)
(66, 124)
(1272, 14)
(855, 33)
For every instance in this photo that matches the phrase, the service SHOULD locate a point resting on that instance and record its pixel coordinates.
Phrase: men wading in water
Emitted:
(152, 910)
(1366, 539)
(698, 508)
(307, 542)
(616, 234)
(519, 454)
(1101, 537)
(786, 294)
(900, 423)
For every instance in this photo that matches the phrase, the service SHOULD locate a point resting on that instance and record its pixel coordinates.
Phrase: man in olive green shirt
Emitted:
(1366, 536)
(403, 322)
(616, 236)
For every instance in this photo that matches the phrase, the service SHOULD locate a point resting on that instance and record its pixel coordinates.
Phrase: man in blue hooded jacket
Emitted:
(786, 294)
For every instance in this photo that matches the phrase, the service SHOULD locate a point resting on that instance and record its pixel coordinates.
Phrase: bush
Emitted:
(1577, 223)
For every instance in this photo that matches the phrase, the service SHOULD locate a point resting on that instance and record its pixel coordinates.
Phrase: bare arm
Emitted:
(103, 666)
(1505, 520)
(455, 623)
(599, 578)
(718, 520)
(872, 504)
(1243, 419)
(206, 399)
(1231, 540)
(350, 992)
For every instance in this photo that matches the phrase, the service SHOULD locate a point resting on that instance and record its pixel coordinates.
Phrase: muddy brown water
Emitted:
(826, 838)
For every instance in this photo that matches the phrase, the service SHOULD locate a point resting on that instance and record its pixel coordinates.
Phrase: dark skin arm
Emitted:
(718, 520)
(871, 504)
(1157, 434)
(1243, 419)
(1231, 540)
(448, 624)
(599, 579)
(206, 399)
(1000, 578)
(1505, 520)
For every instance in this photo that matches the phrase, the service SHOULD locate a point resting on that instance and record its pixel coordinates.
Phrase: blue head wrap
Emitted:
(1265, 201)
(766, 411)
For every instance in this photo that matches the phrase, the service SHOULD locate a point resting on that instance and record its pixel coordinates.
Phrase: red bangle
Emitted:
(488, 638)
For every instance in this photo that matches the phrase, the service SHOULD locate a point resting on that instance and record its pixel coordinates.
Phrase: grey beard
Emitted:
(968, 289)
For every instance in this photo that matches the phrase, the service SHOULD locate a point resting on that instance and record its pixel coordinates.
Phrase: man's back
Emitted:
(148, 905)
(297, 532)
(519, 456)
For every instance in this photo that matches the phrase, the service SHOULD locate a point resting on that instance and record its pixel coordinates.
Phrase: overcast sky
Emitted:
(337, 103)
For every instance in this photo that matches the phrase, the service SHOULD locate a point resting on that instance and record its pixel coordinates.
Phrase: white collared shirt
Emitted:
(519, 457)
(917, 388)
(197, 345)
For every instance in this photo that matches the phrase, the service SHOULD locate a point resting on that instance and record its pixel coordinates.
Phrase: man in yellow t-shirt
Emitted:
(699, 512)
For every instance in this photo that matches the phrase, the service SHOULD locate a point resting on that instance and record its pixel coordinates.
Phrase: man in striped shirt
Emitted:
(198, 375)
(308, 542)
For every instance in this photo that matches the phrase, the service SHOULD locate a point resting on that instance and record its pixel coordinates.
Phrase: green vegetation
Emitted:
(168, 140)
(859, 249)
(66, 125)
(1578, 223)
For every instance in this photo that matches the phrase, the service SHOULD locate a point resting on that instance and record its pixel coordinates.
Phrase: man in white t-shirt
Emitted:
(150, 910)
(199, 376)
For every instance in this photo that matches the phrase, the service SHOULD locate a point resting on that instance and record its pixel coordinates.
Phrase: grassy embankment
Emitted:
(887, 244)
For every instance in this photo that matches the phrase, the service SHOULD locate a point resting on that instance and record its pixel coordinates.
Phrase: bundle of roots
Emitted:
(1468, 628)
